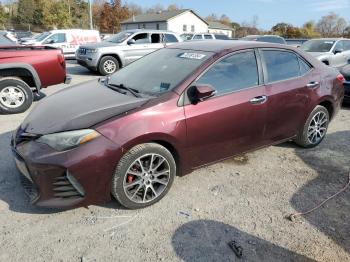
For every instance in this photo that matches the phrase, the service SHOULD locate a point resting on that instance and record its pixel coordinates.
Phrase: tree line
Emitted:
(40, 15)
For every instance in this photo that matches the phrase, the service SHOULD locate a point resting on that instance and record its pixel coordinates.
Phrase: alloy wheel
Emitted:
(109, 66)
(146, 178)
(317, 128)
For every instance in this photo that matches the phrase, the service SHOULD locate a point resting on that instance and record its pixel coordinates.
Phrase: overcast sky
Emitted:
(269, 12)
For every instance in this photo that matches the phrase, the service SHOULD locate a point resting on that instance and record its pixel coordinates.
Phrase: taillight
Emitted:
(61, 60)
(340, 78)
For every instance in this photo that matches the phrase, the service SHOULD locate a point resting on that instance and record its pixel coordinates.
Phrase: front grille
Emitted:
(63, 188)
(82, 51)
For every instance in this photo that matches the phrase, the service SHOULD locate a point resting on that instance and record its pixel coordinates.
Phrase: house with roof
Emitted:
(179, 21)
(219, 28)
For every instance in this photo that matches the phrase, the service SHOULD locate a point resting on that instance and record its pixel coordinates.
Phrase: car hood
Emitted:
(78, 107)
(100, 45)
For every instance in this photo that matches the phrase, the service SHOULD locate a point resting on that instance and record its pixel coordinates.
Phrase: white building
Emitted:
(219, 28)
(179, 21)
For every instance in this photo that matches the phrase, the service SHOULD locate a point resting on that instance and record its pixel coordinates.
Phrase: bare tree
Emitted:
(331, 25)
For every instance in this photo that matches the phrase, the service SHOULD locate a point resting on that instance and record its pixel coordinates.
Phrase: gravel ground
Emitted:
(245, 199)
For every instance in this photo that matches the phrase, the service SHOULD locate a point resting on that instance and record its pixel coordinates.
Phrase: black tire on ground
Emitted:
(112, 62)
(127, 160)
(302, 138)
(20, 89)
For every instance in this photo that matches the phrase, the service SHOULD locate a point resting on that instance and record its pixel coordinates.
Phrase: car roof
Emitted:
(330, 39)
(218, 46)
(148, 31)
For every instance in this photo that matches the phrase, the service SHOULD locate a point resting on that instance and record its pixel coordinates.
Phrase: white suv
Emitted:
(203, 36)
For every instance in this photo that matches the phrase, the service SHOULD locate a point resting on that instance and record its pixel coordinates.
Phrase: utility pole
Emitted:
(90, 14)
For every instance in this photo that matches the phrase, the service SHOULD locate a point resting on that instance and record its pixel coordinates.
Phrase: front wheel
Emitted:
(143, 176)
(314, 129)
(108, 65)
(15, 96)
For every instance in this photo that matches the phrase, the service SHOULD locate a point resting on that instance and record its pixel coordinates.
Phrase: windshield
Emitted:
(318, 46)
(42, 36)
(119, 38)
(160, 71)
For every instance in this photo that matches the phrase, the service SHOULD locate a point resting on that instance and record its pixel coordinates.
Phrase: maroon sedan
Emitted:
(175, 110)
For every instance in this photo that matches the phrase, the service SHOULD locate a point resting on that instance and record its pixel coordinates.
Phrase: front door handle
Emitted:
(312, 84)
(258, 100)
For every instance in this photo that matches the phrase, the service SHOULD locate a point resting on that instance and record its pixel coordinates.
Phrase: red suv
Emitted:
(168, 113)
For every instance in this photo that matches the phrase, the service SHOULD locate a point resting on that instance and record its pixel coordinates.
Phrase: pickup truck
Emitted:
(24, 70)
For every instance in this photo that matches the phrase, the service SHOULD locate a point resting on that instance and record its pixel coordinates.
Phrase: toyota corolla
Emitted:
(175, 110)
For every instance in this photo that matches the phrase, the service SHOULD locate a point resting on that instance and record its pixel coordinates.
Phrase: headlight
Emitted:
(91, 51)
(68, 140)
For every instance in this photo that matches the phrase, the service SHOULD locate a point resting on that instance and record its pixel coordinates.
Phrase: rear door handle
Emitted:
(312, 84)
(258, 100)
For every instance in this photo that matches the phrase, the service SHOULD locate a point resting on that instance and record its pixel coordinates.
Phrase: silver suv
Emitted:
(333, 52)
(123, 48)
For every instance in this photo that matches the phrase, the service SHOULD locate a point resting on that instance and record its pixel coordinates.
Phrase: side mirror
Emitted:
(131, 41)
(338, 51)
(200, 92)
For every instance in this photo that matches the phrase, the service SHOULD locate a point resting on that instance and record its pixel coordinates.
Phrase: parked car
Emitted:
(8, 37)
(346, 73)
(24, 71)
(203, 36)
(23, 34)
(331, 51)
(5, 40)
(68, 40)
(295, 42)
(121, 49)
(266, 38)
(172, 111)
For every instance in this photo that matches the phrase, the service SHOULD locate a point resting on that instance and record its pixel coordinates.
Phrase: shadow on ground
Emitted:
(331, 161)
(73, 68)
(207, 240)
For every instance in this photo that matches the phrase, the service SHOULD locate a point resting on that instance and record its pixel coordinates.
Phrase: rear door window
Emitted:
(233, 73)
(304, 67)
(208, 37)
(155, 38)
(280, 65)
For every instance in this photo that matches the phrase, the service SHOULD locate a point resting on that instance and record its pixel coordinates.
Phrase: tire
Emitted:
(112, 61)
(21, 94)
(133, 196)
(305, 137)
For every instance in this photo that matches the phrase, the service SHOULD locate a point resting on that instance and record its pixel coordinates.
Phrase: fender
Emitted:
(27, 67)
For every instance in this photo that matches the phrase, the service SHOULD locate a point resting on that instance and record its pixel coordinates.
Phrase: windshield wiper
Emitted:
(133, 91)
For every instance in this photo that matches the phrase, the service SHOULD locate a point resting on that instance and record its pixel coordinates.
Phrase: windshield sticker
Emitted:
(195, 56)
(329, 42)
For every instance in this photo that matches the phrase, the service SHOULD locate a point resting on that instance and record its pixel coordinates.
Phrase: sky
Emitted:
(269, 12)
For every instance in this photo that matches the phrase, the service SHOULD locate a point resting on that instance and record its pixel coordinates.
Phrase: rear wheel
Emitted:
(315, 128)
(108, 65)
(143, 176)
(15, 96)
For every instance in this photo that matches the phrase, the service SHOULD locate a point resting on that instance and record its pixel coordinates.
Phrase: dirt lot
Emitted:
(244, 199)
